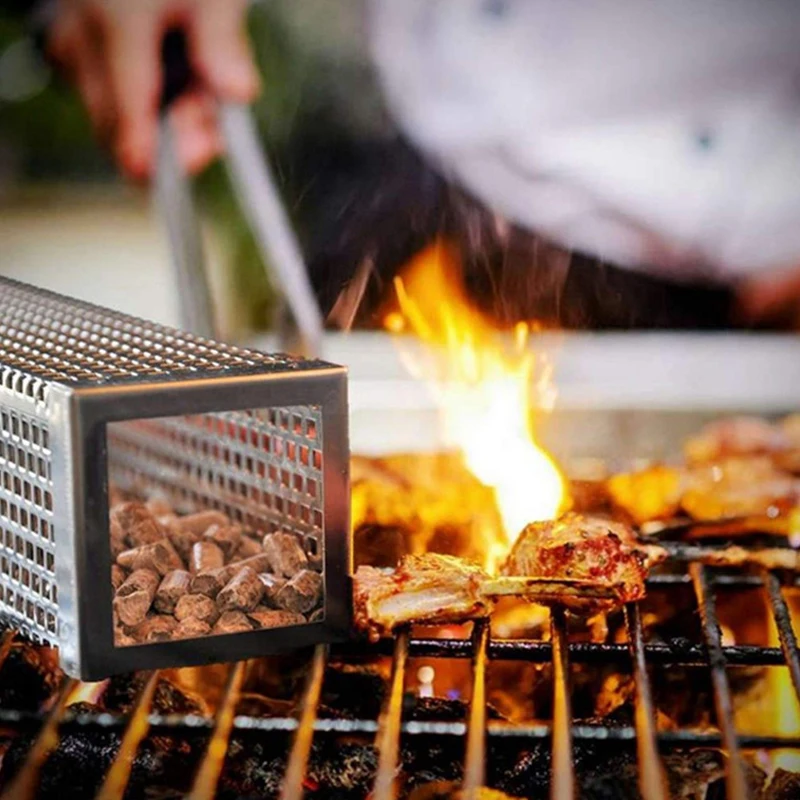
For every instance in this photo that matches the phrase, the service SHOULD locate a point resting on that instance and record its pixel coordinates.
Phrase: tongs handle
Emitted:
(260, 202)
(176, 202)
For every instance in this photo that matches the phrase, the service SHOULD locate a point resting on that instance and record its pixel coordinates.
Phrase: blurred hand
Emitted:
(773, 300)
(112, 50)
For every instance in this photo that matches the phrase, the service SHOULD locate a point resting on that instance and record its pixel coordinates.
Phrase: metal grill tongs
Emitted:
(300, 327)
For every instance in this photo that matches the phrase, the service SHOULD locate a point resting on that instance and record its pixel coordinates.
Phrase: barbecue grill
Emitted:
(481, 650)
(562, 734)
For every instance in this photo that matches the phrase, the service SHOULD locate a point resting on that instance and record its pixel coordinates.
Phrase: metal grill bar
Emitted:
(475, 757)
(734, 777)
(292, 788)
(118, 775)
(26, 782)
(387, 741)
(172, 725)
(562, 780)
(678, 652)
(783, 623)
(207, 778)
(652, 782)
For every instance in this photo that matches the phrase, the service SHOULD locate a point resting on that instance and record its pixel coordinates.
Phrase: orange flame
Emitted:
(486, 385)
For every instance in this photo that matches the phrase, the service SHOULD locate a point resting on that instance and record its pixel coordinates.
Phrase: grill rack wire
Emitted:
(480, 649)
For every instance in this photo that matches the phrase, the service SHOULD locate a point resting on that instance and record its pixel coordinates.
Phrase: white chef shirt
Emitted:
(656, 134)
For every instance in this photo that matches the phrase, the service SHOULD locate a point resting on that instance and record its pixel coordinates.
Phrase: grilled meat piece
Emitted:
(734, 488)
(735, 436)
(430, 588)
(587, 549)
(739, 487)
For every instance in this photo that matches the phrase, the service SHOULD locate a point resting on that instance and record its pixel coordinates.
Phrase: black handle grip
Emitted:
(178, 76)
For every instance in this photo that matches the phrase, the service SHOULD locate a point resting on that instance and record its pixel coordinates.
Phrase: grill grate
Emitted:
(480, 649)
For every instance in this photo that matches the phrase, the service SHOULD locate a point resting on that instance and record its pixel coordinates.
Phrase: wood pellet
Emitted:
(183, 577)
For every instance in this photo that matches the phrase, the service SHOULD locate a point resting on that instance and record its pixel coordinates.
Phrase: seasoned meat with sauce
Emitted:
(584, 548)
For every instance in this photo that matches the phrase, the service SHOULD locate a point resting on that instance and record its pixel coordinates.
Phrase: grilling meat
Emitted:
(588, 549)
(739, 487)
(430, 588)
(734, 488)
(583, 563)
(735, 436)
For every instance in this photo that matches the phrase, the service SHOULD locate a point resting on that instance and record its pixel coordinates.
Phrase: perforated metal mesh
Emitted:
(27, 535)
(54, 338)
(262, 467)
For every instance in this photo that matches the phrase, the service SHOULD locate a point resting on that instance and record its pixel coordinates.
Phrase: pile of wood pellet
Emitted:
(180, 577)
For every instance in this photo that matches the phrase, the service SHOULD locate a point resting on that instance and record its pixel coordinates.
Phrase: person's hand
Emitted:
(112, 49)
(772, 300)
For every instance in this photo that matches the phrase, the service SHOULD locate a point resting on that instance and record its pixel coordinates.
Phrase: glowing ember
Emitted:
(486, 385)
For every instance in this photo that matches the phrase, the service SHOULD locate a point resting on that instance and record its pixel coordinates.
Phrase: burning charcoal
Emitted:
(317, 616)
(243, 592)
(191, 628)
(232, 622)
(117, 576)
(286, 556)
(248, 547)
(352, 692)
(200, 522)
(270, 618)
(272, 585)
(155, 628)
(159, 557)
(196, 606)
(302, 593)
(206, 556)
(226, 537)
(162, 767)
(212, 582)
(30, 676)
(691, 772)
(174, 585)
(124, 690)
(139, 526)
(135, 596)
(343, 769)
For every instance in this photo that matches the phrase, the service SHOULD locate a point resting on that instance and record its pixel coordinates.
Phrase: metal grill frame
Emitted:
(77, 408)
